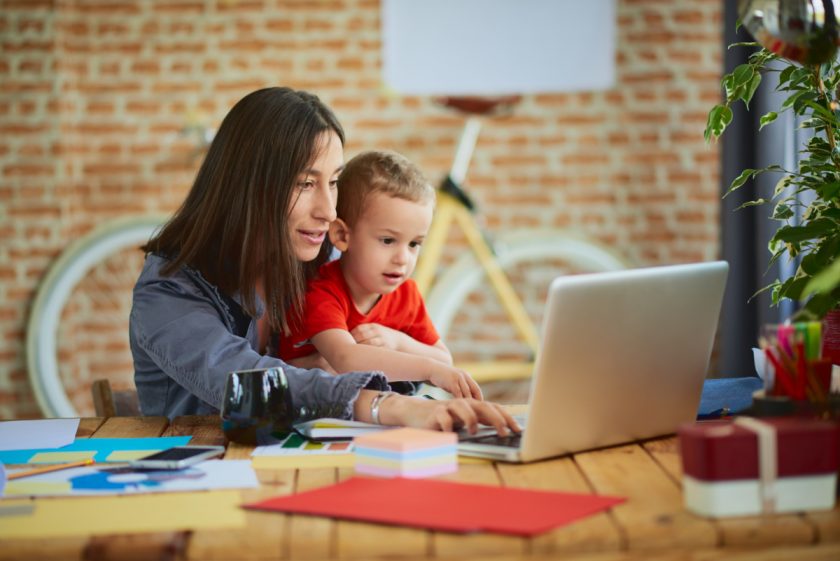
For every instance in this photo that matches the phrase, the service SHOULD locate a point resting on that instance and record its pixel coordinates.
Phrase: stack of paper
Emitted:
(335, 429)
(406, 452)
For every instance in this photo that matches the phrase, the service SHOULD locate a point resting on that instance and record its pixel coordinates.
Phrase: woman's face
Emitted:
(314, 198)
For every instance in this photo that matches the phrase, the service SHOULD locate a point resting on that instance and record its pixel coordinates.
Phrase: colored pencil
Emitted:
(47, 469)
(784, 385)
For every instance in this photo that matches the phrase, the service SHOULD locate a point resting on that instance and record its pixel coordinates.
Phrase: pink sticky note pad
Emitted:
(443, 505)
(405, 439)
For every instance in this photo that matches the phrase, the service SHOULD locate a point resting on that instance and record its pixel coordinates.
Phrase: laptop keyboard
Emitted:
(488, 435)
(509, 441)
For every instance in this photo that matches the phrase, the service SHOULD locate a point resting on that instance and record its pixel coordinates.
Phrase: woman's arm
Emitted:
(445, 415)
(182, 335)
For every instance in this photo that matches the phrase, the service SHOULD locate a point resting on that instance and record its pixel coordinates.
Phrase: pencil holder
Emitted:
(257, 407)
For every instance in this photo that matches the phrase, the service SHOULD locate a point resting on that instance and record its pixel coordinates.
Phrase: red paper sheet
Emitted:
(443, 505)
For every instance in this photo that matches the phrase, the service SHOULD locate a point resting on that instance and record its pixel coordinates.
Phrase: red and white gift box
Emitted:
(751, 466)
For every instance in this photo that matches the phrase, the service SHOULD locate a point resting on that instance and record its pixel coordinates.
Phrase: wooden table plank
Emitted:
(65, 549)
(827, 553)
(236, 451)
(312, 537)
(827, 524)
(666, 452)
(653, 516)
(262, 537)
(114, 546)
(88, 426)
(368, 541)
(206, 430)
(265, 533)
(594, 533)
(160, 546)
(362, 540)
(458, 545)
(789, 529)
(132, 427)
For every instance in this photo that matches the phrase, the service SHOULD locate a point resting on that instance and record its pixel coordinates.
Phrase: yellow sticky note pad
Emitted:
(124, 514)
(128, 455)
(26, 486)
(471, 460)
(303, 462)
(62, 457)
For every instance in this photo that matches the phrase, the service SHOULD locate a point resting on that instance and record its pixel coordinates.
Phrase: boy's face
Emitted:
(383, 246)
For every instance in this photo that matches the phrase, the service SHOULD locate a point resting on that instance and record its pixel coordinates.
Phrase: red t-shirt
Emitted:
(329, 306)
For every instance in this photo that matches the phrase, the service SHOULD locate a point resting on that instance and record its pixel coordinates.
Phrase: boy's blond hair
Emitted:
(379, 171)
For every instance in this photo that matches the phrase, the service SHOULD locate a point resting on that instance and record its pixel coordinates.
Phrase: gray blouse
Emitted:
(186, 337)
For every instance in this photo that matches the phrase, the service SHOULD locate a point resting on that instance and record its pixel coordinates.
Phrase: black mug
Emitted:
(257, 407)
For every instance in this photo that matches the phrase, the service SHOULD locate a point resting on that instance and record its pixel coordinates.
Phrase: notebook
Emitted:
(623, 356)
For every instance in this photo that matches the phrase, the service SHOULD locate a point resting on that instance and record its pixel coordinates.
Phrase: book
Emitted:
(336, 429)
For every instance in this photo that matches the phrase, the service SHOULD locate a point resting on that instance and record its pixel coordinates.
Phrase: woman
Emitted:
(224, 271)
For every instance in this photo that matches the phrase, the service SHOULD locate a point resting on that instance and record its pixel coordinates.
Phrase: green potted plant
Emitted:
(806, 200)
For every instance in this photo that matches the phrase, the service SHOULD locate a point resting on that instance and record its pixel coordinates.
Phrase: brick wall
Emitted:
(93, 95)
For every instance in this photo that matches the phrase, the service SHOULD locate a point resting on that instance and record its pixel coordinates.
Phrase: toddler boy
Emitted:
(363, 312)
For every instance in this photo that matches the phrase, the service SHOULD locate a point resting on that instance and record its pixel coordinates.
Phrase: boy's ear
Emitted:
(340, 234)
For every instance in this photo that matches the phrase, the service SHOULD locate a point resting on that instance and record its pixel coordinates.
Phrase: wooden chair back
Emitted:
(110, 403)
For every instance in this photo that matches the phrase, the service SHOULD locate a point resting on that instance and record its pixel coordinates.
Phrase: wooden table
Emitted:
(651, 524)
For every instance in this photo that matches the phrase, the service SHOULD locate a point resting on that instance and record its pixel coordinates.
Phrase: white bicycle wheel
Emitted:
(465, 275)
(64, 275)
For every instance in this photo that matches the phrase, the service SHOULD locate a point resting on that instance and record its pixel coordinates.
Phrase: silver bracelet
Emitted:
(376, 403)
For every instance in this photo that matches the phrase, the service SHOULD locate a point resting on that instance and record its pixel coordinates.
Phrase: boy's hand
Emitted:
(377, 335)
(455, 381)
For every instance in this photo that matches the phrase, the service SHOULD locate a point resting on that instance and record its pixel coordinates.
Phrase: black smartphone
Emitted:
(178, 457)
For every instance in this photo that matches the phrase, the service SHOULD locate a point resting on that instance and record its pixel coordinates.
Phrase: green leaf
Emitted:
(826, 281)
(792, 288)
(801, 102)
(763, 289)
(834, 214)
(775, 293)
(782, 211)
(767, 118)
(828, 191)
(719, 117)
(738, 83)
(821, 304)
(756, 202)
(749, 91)
(815, 229)
(820, 110)
(818, 260)
(745, 176)
(800, 75)
(791, 99)
(784, 75)
(782, 185)
(743, 43)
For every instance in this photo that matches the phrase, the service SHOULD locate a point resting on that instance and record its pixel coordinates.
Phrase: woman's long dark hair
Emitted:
(232, 227)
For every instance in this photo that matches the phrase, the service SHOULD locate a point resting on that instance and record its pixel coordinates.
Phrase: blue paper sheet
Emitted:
(102, 446)
(727, 396)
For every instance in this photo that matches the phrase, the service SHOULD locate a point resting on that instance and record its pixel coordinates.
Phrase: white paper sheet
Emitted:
(39, 433)
(492, 47)
(209, 475)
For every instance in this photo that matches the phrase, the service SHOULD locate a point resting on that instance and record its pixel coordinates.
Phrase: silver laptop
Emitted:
(623, 356)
